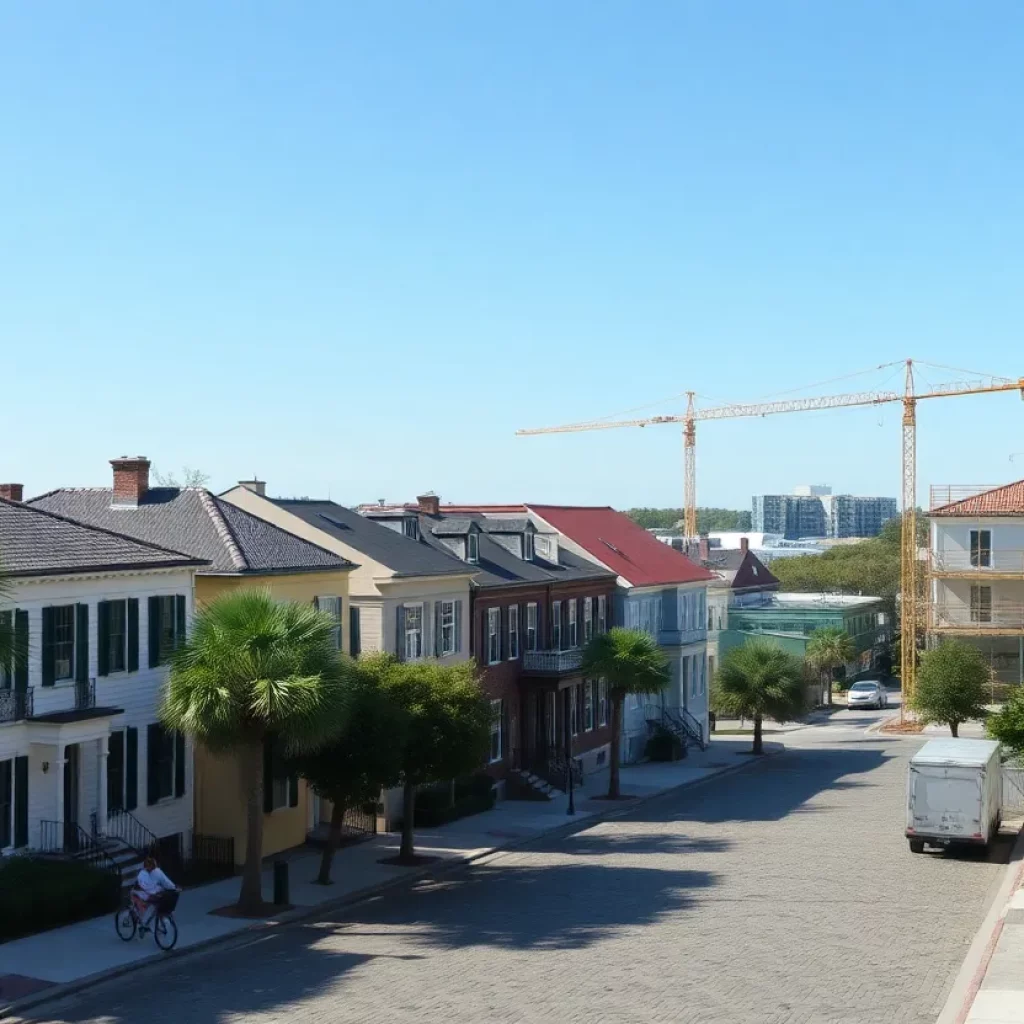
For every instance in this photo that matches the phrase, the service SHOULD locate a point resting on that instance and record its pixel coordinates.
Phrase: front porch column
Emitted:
(60, 764)
(101, 797)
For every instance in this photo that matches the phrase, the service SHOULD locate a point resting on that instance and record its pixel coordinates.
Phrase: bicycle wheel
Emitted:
(126, 922)
(165, 932)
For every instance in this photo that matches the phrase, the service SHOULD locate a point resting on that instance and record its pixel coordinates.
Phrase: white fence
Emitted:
(1013, 789)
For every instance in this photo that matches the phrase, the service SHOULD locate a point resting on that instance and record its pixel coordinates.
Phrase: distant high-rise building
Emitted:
(814, 511)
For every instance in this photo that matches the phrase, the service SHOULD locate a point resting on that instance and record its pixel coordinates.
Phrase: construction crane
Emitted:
(909, 397)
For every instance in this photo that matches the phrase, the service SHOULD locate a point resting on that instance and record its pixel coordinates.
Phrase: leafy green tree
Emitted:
(1007, 725)
(356, 765)
(447, 726)
(708, 519)
(254, 671)
(829, 648)
(951, 685)
(759, 680)
(631, 662)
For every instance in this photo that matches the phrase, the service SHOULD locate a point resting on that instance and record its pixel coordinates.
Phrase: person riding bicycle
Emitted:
(150, 885)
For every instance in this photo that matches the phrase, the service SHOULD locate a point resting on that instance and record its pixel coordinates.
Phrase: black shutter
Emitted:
(293, 791)
(20, 802)
(115, 772)
(179, 618)
(268, 775)
(458, 627)
(354, 638)
(6, 624)
(49, 651)
(103, 639)
(154, 740)
(131, 770)
(133, 634)
(179, 764)
(400, 633)
(20, 650)
(154, 632)
(82, 643)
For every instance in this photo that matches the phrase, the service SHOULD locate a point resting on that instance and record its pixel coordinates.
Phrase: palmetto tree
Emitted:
(631, 662)
(759, 680)
(829, 648)
(255, 670)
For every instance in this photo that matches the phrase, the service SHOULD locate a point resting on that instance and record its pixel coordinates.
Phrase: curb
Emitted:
(972, 971)
(258, 930)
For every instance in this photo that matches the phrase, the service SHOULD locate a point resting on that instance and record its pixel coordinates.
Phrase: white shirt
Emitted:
(152, 882)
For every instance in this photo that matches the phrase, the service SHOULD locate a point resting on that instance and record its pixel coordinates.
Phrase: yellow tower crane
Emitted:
(909, 397)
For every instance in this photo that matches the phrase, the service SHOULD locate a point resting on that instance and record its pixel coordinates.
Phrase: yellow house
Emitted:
(243, 551)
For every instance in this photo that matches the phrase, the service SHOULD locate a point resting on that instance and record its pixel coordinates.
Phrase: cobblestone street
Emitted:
(783, 894)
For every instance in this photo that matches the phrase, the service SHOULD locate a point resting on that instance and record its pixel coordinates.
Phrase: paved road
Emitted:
(784, 894)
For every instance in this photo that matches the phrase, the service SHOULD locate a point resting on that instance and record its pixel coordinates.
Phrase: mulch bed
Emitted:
(262, 913)
(906, 726)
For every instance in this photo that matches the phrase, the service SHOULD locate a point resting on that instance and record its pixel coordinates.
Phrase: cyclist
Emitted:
(149, 887)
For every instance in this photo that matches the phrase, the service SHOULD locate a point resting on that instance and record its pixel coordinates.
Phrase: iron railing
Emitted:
(205, 859)
(553, 662)
(69, 839)
(85, 694)
(123, 825)
(940, 495)
(553, 769)
(15, 705)
(677, 721)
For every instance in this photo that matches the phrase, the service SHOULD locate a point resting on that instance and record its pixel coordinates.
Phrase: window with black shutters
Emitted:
(116, 635)
(64, 642)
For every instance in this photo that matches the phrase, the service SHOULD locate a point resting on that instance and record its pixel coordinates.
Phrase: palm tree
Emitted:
(631, 662)
(256, 670)
(759, 680)
(828, 648)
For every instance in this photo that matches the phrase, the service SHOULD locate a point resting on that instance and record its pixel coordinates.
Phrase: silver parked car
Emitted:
(868, 693)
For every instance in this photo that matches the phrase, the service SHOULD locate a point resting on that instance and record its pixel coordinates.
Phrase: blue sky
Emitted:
(352, 248)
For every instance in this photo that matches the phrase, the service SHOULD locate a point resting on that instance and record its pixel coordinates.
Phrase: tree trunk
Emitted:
(407, 850)
(333, 841)
(616, 747)
(758, 740)
(250, 761)
(954, 728)
(828, 688)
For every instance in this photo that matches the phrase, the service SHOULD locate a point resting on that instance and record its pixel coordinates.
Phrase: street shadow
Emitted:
(593, 843)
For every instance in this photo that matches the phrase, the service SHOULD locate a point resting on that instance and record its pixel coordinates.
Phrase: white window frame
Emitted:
(983, 559)
(528, 546)
(122, 651)
(58, 676)
(602, 702)
(556, 625)
(588, 706)
(328, 604)
(588, 618)
(472, 547)
(574, 633)
(513, 632)
(531, 626)
(602, 613)
(497, 731)
(981, 611)
(411, 527)
(493, 636)
(414, 634)
(447, 628)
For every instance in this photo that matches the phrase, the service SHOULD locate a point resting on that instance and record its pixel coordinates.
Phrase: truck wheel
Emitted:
(916, 845)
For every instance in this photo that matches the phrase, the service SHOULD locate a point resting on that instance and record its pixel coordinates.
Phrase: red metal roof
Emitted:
(627, 549)
(1000, 501)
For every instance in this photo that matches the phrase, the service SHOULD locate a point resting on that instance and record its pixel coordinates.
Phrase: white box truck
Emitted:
(954, 793)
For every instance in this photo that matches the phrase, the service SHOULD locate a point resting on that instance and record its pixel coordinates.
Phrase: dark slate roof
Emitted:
(405, 556)
(194, 520)
(498, 567)
(38, 543)
(452, 527)
(506, 525)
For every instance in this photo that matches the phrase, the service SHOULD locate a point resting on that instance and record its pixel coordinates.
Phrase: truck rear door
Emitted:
(946, 801)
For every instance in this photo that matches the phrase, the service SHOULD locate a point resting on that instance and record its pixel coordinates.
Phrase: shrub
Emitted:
(1007, 725)
(37, 894)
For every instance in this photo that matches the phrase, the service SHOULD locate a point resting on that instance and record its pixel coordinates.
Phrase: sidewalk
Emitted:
(71, 955)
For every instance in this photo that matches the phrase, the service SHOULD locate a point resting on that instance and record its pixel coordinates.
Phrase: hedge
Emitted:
(36, 894)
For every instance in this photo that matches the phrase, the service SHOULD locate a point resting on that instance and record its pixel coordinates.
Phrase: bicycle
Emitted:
(127, 921)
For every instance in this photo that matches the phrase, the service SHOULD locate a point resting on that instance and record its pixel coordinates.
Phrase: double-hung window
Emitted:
(497, 723)
(493, 636)
(981, 549)
(413, 632)
(602, 614)
(64, 642)
(556, 625)
(332, 606)
(528, 546)
(588, 618)
(513, 632)
(573, 635)
(981, 604)
(472, 547)
(531, 626)
(116, 636)
(447, 628)
(588, 705)
(162, 762)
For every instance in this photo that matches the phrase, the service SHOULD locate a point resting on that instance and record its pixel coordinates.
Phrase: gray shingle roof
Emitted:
(34, 542)
(403, 555)
(451, 526)
(505, 525)
(194, 520)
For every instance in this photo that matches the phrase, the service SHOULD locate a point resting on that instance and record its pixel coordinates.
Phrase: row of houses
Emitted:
(102, 583)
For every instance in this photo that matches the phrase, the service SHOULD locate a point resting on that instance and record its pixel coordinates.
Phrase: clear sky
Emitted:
(352, 247)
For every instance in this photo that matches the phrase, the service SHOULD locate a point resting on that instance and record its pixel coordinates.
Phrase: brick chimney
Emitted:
(429, 504)
(131, 480)
(744, 544)
(12, 492)
(256, 486)
(704, 548)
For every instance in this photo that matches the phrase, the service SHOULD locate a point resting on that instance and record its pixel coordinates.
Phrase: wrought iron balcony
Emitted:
(15, 705)
(552, 663)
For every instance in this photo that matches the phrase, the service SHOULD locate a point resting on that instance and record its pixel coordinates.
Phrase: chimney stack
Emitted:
(12, 492)
(131, 480)
(429, 504)
(704, 547)
(256, 486)
(744, 544)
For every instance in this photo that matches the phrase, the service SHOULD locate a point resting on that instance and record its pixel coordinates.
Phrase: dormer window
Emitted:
(528, 546)
(472, 547)
(411, 527)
